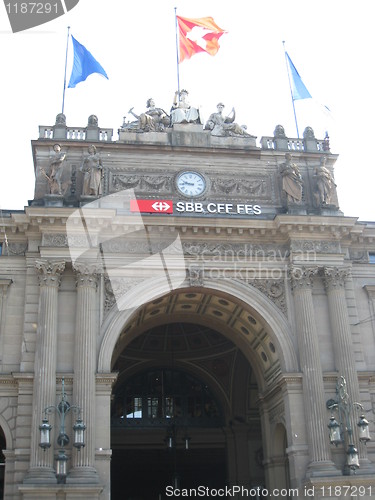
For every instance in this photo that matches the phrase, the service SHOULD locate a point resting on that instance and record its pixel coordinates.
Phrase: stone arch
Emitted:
(7, 433)
(249, 297)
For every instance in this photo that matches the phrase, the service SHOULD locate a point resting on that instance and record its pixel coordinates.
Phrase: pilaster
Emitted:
(87, 324)
(49, 274)
(334, 281)
(313, 388)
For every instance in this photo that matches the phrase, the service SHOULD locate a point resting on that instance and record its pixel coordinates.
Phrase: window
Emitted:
(155, 397)
(371, 257)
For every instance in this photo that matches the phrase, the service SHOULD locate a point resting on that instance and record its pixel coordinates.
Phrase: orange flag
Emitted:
(198, 35)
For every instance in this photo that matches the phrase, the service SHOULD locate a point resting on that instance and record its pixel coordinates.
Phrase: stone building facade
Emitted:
(202, 304)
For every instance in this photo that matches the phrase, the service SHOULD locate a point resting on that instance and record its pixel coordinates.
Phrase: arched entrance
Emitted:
(166, 427)
(221, 341)
(183, 414)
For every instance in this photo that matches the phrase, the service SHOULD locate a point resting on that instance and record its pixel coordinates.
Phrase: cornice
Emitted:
(39, 220)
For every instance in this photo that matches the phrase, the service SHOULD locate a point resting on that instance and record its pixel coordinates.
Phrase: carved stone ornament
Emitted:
(334, 277)
(12, 248)
(87, 274)
(302, 277)
(256, 187)
(319, 246)
(49, 273)
(148, 183)
(116, 288)
(196, 276)
(235, 251)
(274, 290)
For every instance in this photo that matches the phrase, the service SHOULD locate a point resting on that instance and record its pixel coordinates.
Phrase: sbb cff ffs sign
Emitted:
(166, 207)
(152, 206)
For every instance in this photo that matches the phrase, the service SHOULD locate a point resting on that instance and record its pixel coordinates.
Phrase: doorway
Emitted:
(144, 474)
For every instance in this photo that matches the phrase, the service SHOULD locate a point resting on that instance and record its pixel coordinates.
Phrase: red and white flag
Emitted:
(198, 35)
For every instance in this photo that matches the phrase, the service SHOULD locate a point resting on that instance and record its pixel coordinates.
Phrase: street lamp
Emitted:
(341, 431)
(62, 439)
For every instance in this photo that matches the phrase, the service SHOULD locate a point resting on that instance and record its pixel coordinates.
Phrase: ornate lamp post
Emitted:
(62, 439)
(341, 431)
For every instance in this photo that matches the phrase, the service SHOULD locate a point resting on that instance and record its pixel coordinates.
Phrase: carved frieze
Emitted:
(259, 186)
(146, 183)
(316, 246)
(14, 249)
(235, 251)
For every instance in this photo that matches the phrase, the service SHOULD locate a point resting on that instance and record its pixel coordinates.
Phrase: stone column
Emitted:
(334, 281)
(313, 388)
(87, 325)
(49, 273)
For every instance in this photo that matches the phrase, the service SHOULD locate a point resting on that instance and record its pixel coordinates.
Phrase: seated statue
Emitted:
(222, 126)
(153, 120)
(181, 111)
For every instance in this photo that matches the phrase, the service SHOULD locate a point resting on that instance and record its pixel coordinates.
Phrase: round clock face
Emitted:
(191, 183)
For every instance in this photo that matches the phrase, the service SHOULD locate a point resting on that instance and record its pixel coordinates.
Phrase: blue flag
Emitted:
(84, 64)
(299, 91)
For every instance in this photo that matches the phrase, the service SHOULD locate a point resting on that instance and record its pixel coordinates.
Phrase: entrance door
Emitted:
(146, 474)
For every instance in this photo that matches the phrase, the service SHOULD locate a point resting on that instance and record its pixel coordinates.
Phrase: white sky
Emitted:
(331, 43)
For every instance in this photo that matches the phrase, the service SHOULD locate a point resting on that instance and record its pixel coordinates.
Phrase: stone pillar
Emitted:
(87, 324)
(49, 273)
(313, 388)
(334, 281)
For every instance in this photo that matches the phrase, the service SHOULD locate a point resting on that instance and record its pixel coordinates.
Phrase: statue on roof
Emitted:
(222, 126)
(291, 180)
(182, 111)
(92, 169)
(324, 184)
(55, 171)
(152, 120)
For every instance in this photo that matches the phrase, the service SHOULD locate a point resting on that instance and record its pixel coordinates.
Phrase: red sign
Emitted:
(152, 206)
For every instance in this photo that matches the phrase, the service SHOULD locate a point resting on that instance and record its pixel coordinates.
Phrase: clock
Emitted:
(191, 183)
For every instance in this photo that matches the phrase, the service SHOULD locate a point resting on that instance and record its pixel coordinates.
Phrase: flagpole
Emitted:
(177, 54)
(291, 91)
(66, 60)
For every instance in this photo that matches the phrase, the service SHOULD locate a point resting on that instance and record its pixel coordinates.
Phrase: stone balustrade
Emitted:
(75, 133)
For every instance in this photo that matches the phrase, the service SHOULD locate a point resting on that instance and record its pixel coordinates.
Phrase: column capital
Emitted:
(49, 272)
(334, 277)
(87, 274)
(302, 277)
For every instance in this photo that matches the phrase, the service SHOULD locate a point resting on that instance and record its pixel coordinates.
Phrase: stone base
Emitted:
(84, 199)
(60, 492)
(41, 475)
(325, 468)
(53, 200)
(296, 210)
(82, 475)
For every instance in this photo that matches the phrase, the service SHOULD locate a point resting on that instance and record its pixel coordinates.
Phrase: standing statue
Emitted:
(55, 171)
(292, 180)
(92, 169)
(153, 120)
(181, 111)
(222, 126)
(324, 184)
